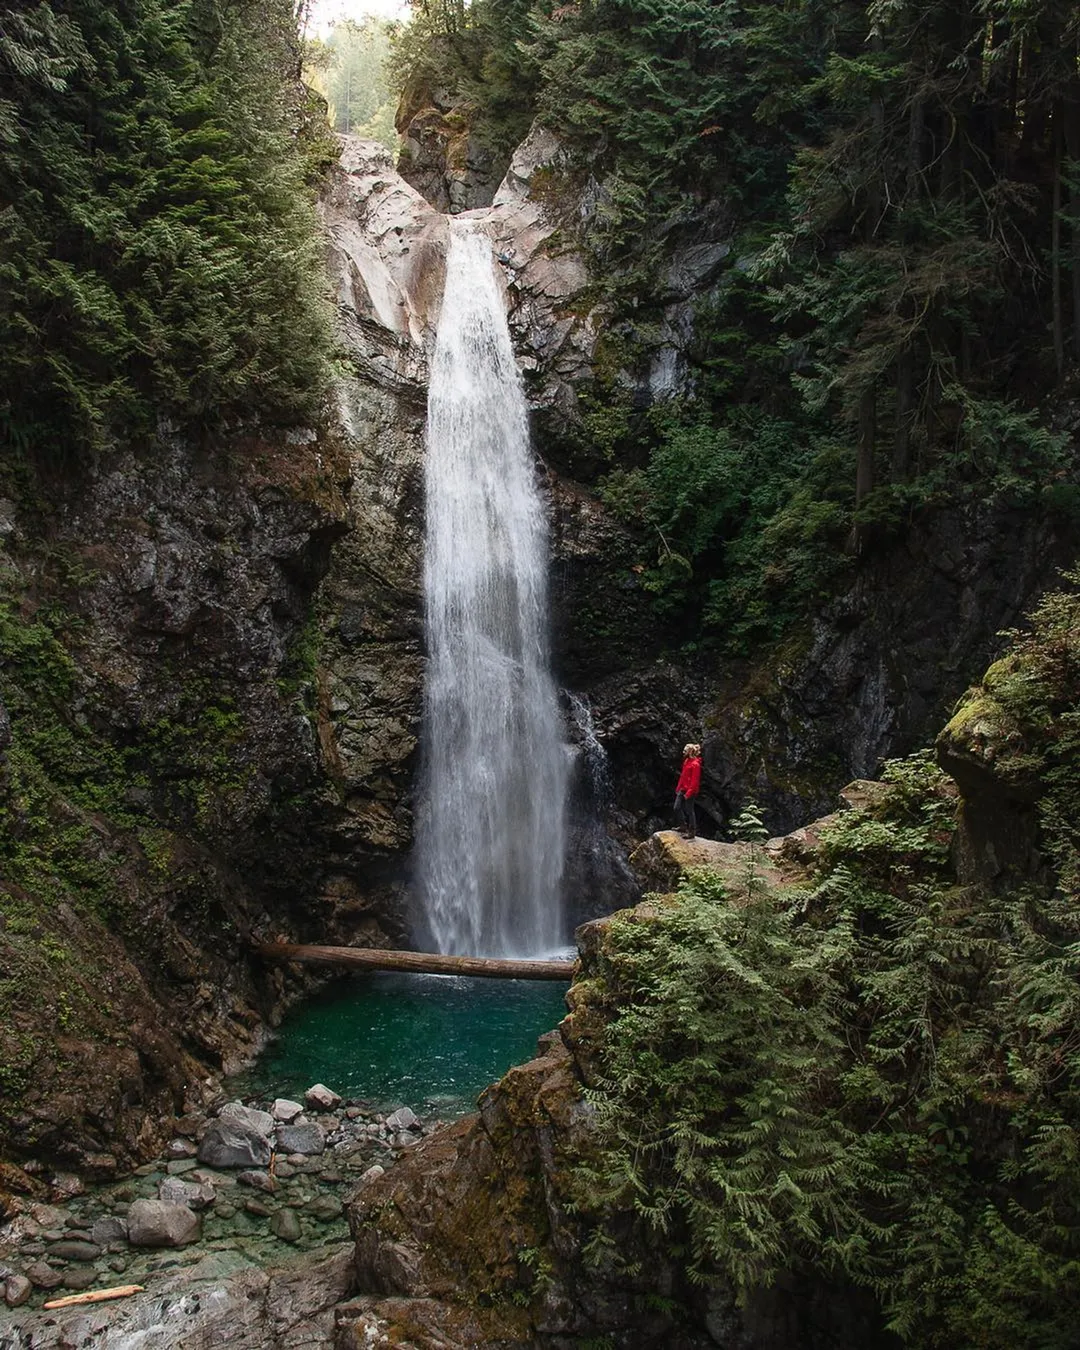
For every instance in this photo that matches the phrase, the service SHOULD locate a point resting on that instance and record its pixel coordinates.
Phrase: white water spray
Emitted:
(491, 836)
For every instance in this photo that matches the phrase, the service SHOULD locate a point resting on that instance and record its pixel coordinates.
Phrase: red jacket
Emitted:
(690, 778)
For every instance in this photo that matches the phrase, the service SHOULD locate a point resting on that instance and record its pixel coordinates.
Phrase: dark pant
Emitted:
(685, 815)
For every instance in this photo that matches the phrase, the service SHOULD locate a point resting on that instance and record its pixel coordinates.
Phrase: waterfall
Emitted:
(491, 828)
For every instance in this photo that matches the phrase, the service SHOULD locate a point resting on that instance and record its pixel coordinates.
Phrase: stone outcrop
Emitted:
(477, 1238)
(989, 754)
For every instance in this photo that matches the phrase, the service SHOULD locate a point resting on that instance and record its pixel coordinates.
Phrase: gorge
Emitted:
(784, 413)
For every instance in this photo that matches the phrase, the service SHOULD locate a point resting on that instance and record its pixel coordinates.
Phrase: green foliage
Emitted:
(1037, 689)
(157, 247)
(743, 508)
(350, 70)
(873, 1079)
(898, 185)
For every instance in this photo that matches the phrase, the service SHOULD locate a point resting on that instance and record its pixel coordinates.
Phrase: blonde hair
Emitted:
(691, 751)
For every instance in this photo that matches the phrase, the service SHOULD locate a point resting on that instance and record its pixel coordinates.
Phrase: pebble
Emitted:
(225, 1211)
(283, 1171)
(257, 1207)
(180, 1148)
(324, 1208)
(178, 1166)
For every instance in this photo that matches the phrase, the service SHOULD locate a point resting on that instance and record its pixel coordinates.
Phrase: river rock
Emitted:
(262, 1121)
(196, 1195)
(180, 1148)
(285, 1225)
(108, 1229)
(50, 1216)
(262, 1181)
(324, 1208)
(43, 1276)
(77, 1278)
(403, 1119)
(321, 1098)
(156, 1223)
(303, 1139)
(232, 1142)
(17, 1290)
(286, 1111)
(66, 1250)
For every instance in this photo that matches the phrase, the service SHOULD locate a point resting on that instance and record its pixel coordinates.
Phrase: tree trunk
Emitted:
(1057, 321)
(421, 963)
(905, 403)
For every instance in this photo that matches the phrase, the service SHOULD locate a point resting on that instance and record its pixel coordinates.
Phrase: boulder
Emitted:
(285, 1110)
(156, 1223)
(321, 1098)
(232, 1142)
(304, 1139)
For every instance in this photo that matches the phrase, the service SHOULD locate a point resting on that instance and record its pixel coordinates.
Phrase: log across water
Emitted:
(421, 963)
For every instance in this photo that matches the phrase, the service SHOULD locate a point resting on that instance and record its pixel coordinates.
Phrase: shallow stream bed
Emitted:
(380, 1042)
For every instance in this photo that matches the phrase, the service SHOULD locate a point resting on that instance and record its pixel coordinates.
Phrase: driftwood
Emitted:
(95, 1296)
(425, 963)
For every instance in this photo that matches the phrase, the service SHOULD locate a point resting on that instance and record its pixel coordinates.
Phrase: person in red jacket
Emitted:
(687, 789)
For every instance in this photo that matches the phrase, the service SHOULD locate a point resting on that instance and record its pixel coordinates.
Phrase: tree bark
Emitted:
(1057, 319)
(421, 963)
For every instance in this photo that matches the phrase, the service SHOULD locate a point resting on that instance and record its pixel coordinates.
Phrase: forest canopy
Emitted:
(158, 251)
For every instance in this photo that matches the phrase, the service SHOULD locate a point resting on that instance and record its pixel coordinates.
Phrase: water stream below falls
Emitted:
(496, 767)
(430, 1042)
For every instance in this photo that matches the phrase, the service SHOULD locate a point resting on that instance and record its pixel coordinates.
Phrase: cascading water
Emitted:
(491, 833)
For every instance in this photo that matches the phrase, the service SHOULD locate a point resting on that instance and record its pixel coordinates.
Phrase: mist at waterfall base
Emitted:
(491, 826)
(431, 1042)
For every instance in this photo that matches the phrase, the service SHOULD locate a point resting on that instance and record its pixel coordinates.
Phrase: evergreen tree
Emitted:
(157, 243)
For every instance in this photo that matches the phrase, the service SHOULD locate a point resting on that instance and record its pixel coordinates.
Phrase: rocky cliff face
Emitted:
(160, 774)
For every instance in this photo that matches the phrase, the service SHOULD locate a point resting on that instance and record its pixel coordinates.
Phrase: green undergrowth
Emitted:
(872, 1079)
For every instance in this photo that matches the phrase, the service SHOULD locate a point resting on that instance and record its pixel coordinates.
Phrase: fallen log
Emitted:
(95, 1296)
(421, 963)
